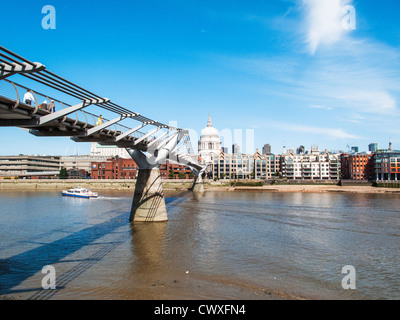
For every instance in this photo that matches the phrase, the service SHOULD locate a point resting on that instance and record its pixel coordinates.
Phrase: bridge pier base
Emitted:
(148, 201)
(198, 186)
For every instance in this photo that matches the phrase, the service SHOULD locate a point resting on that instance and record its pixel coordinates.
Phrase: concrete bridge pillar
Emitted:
(198, 183)
(148, 201)
(198, 187)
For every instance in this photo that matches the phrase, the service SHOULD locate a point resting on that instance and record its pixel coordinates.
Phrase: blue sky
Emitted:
(286, 69)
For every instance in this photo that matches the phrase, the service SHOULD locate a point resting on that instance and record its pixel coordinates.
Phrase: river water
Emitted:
(216, 245)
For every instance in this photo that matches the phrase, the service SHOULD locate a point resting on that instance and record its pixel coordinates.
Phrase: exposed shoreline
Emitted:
(321, 189)
(183, 185)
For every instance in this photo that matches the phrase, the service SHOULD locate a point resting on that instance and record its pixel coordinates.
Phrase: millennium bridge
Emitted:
(69, 110)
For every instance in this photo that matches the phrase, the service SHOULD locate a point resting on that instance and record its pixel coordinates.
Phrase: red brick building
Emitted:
(175, 171)
(127, 169)
(358, 166)
(119, 168)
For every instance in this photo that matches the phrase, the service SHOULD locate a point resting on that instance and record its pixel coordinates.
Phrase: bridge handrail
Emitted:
(12, 64)
(138, 134)
(58, 83)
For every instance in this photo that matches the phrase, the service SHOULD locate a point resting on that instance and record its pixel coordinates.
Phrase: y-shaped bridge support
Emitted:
(198, 170)
(198, 181)
(148, 201)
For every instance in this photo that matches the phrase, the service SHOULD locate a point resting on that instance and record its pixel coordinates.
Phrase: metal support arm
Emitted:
(128, 133)
(158, 139)
(104, 125)
(147, 135)
(7, 70)
(67, 111)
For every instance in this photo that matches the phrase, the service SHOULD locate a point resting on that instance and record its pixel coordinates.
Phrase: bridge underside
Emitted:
(148, 201)
(56, 118)
(27, 117)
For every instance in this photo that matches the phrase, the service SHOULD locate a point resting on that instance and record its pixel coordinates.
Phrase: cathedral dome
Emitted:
(209, 131)
(210, 143)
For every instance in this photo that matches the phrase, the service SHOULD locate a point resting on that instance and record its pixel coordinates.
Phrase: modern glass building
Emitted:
(387, 165)
(373, 147)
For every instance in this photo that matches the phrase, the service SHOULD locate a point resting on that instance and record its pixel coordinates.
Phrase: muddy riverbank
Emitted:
(127, 185)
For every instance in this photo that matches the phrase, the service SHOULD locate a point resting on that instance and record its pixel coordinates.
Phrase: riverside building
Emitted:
(245, 166)
(126, 169)
(80, 162)
(313, 165)
(387, 165)
(98, 150)
(114, 168)
(26, 166)
(357, 166)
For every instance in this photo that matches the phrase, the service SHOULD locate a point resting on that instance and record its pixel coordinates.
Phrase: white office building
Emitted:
(313, 165)
(108, 151)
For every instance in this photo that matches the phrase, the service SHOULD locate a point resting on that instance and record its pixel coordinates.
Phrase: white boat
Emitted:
(79, 192)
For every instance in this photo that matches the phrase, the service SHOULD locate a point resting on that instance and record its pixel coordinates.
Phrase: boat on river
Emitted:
(79, 192)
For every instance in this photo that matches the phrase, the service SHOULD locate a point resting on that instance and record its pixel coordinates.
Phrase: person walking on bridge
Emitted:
(100, 120)
(28, 97)
(52, 106)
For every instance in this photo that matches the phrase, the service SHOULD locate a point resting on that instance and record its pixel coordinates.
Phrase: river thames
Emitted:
(216, 245)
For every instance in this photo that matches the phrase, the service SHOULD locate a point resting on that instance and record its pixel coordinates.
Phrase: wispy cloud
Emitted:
(321, 107)
(330, 133)
(355, 78)
(380, 102)
(351, 79)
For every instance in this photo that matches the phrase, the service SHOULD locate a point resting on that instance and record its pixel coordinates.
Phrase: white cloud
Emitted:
(331, 133)
(379, 102)
(324, 25)
(355, 79)
(321, 107)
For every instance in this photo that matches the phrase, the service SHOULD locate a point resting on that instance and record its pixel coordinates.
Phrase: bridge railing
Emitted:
(12, 65)
(49, 104)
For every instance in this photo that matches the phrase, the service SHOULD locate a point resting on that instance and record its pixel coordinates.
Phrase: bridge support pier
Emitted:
(148, 201)
(198, 186)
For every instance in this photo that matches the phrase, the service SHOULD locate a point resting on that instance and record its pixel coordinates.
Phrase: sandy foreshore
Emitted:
(319, 189)
(183, 185)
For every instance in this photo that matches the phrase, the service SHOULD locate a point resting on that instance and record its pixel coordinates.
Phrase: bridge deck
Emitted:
(160, 142)
(24, 116)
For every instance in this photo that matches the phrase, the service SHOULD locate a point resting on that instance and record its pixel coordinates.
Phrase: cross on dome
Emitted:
(209, 121)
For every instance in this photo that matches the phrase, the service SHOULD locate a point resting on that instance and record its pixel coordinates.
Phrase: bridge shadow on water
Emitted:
(18, 268)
